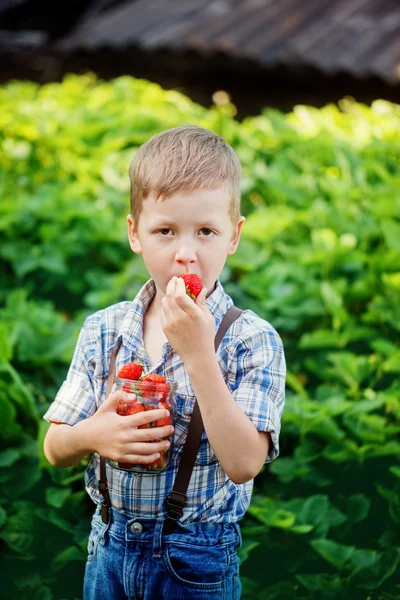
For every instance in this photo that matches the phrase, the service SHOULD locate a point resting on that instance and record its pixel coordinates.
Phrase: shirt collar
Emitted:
(132, 325)
(131, 330)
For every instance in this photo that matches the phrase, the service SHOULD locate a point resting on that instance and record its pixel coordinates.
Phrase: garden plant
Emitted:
(319, 259)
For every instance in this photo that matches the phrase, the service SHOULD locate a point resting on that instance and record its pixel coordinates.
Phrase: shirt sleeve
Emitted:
(260, 379)
(76, 398)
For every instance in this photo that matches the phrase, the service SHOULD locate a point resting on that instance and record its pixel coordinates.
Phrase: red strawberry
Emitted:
(129, 408)
(193, 284)
(126, 409)
(155, 384)
(165, 420)
(158, 464)
(130, 370)
(122, 409)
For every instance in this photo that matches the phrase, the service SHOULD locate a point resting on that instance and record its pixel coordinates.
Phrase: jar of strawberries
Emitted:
(152, 391)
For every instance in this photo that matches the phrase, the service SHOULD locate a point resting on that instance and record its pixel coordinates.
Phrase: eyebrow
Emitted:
(168, 222)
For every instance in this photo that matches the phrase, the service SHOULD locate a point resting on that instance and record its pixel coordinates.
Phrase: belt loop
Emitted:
(157, 539)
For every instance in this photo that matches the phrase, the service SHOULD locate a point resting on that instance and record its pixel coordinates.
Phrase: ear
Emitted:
(133, 235)
(236, 236)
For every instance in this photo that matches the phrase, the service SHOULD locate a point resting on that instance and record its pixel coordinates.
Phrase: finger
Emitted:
(116, 398)
(146, 448)
(183, 301)
(180, 288)
(154, 433)
(147, 416)
(170, 291)
(173, 312)
(180, 302)
(201, 298)
(140, 459)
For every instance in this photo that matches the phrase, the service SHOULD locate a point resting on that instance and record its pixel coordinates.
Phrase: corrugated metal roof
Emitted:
(361, 37)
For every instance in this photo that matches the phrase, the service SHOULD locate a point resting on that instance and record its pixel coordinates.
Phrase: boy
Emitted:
(185, 218)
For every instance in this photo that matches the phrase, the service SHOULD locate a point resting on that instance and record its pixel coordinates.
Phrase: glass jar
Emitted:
(149, 396)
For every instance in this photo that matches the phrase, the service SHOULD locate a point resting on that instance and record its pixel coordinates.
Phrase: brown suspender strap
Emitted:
(103, 485)
(177, 498)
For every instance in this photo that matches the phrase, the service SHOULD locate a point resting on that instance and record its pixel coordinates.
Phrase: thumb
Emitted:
(115, 398)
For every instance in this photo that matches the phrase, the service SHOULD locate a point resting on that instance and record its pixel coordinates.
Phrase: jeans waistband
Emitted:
(144, 530)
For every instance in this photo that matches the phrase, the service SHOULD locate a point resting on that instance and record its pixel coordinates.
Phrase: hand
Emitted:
(118, 437)
(188, 325)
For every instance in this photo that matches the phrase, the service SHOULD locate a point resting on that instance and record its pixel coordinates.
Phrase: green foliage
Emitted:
(319, 259)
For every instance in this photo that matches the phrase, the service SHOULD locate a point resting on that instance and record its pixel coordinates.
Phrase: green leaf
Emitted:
(9, 457)
(248, 257)
(392, 364)
(270, 514)
(363, 559)
(5, 346)
(334, 517)
(301, 529)
(336, 554)
(333, 300)
(9, 429)
(56, 497)
(42, 593)
(72, 553)
(23, 476)
(358, 507)
(3, 516)
(321, 338)
(393, 497)
(391, 232)
(326, 428)
(246, 548)
(381, 566)
(293, 382)
(325, 583)
(19, 533)
(284, 590)
(395, 470)
(365, 406)
(314, 509)
(288, 469)
(383, 346)
(55, 518)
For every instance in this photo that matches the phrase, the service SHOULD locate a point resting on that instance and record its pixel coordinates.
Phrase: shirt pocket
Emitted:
(184, 410)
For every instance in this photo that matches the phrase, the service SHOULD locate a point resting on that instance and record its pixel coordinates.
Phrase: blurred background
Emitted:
(308, 95)
(262, 52)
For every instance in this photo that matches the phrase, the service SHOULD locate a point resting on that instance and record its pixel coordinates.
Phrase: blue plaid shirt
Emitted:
(252, 361)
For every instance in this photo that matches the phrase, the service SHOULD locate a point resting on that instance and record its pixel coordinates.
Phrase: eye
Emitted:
(164, 232)
(207, 232)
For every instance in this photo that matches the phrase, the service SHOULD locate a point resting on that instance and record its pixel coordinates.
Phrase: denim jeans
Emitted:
(130, 559)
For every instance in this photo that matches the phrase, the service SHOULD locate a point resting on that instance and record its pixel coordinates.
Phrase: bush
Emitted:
(319, 259)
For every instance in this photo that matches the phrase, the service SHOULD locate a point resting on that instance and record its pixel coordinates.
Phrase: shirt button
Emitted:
(136, 528)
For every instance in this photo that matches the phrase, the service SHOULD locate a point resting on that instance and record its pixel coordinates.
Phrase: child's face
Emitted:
(186, 233)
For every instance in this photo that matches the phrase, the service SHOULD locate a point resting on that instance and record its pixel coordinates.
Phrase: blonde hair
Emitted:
(184, 159)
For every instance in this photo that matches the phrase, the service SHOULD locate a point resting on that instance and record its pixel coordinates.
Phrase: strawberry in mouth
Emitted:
(193, 284)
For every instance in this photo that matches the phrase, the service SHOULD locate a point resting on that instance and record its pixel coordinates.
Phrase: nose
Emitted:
(185, 255)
